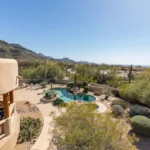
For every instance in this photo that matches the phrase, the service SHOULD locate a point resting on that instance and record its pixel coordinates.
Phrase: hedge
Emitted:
(120, 103)
(141, 125)
(139, 110)
(43, 84)
(117, 110)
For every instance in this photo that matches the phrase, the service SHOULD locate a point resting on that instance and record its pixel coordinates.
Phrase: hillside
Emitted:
(16, 51)
(19, 52)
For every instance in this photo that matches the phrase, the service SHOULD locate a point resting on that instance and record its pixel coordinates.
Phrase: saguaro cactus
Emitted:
(130, 75)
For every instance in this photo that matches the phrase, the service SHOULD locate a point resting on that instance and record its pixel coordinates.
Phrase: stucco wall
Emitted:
(8, 75)
(9, 142)
(99, 88)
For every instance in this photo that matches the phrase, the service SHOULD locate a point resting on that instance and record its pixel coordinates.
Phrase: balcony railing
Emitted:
(5, 124)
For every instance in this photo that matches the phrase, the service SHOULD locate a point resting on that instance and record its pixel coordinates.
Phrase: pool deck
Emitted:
(47, 109)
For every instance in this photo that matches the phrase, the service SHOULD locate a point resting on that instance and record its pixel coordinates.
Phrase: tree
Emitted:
(139, 91)
(115, 82)
(85, 70)
(81, 128)
(47, 70)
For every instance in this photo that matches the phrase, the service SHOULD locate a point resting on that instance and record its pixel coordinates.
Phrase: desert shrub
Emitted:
(79, 85)
(43, 84)
(138, 92)
(29, 129)
(141, 125)
(51, 80)
(117, 110)
(82, 128)
(50, 94)
(70, 84)
(139, 110)
(59, 102)
(38, 81)
(115, 82)
(120, 103)
(63, 104)
(115, 92)
(86, 89)
(84, 84)
(92, 105)
(123, 91)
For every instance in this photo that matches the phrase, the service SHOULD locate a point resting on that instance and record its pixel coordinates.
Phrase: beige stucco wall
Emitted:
(8, 75)
(99, 88)
(9, 142)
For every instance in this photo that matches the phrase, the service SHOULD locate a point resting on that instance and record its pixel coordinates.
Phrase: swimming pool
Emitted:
(67, 97)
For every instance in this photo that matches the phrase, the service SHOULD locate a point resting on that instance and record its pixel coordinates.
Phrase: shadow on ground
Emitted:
(143, 143)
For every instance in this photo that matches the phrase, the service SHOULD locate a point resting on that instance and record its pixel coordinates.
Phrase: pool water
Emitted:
(67, 97)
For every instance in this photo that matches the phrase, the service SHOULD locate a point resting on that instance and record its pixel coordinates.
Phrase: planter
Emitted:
(47, 100)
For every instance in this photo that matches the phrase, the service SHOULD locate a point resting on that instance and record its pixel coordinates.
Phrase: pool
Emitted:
(67, 97)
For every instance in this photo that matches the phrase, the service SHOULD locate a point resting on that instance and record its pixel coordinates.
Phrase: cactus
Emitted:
(130, 75)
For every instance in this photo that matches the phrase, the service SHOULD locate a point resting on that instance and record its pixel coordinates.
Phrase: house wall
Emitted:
(9, 142)
(8, 75)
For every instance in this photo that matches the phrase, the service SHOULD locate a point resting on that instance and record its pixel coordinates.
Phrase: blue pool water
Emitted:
(67, 97)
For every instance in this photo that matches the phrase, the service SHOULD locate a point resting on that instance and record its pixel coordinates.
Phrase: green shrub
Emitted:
(79, 85)
(63, 104)
(29, 129)
(141, 125)
(137, 92)
(51, 81)
(92, 105)
(86, 89)
(59, 102)
(115, 82)
(117, 110)
(43, 84)
(139, 110)
(123, 91)
(120, 103)
(50, 94)
(70, 84)
(82, 128)
(35, 81)
(85, 84)
(38, 81)
(115, 92)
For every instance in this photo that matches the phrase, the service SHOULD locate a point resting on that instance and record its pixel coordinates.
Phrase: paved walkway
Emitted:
(102, 108)
(45, 137)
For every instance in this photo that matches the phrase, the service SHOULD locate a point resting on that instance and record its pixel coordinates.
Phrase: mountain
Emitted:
(48, 57)
(66, 60)
(16, 51)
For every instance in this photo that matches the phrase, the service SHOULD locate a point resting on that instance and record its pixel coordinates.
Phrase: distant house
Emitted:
(105, 71)
(71, 71)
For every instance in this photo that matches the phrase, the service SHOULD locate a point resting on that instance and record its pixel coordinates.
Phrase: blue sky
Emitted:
(101, 31)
